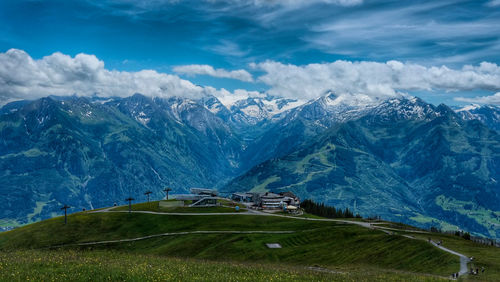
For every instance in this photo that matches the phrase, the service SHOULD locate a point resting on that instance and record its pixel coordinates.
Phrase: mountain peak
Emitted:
(403, 108)
(470, 107)
(489, 115)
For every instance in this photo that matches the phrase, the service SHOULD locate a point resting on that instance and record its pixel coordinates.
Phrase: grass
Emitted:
(396, 225)
(155, 207)
(484, 255)
(305, 215)
(326, 244)
(263, 186)
(327, 248)
(359, 253)
(74, 265)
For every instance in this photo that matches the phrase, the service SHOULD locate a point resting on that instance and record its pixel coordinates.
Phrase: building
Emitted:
(290, 198)
(199, 197)
(242, 197)
(205, 202)
(204, 191)
(270, 200)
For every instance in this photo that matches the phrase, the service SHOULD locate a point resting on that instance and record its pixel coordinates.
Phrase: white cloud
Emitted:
(421, 31)
(291, 3)
(372, 78)
(154, 4)
(228, 48)
(242, 75)
(22, 77)
(493, 3)
(492, 99)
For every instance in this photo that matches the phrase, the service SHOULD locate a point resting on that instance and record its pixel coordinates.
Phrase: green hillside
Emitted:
(438, 171)
(65, 151)
(484, 255)
(121, 266)
(232, 243)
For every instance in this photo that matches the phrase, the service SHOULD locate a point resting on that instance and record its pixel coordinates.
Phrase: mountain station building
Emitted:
(267, 200)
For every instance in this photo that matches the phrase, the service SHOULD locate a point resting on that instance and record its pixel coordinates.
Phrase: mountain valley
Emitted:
(401, 158)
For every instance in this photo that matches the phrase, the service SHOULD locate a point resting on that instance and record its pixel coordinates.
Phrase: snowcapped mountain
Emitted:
(328, 110)
(296, 126)
(249, 111)
(404, 159)
(254, 110)
(215, 106)
(411, 108)
(487, 114)
(394, 156)
(89, 153)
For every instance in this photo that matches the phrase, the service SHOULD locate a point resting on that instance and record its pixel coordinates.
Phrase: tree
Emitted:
(466, 236)
(323, 210)
(435, 229)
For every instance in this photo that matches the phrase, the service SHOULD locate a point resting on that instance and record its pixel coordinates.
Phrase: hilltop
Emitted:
(233, 243)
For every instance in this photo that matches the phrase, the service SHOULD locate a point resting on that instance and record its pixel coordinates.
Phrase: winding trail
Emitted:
(248, 212)
(182, 213)
(463, 259)
(390, 231)
(172, 234)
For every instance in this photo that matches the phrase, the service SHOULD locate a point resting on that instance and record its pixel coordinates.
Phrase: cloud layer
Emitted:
(154, 4)
(492, 99)
(426, 32)
(22, 77)
(242, 75)
(373, 79)
(288, 3)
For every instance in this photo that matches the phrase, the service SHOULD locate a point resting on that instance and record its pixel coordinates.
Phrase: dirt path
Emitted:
(390, 231)
(463, 258)
(360, 223)
(172, 234)
(248, 212)
(180, 213)
(403, 230)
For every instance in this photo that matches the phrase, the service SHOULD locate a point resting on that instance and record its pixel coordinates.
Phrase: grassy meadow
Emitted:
(154, 206)
(95, 265)
(48, 250)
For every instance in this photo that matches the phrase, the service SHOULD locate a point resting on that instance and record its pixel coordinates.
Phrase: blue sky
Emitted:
(233, 35)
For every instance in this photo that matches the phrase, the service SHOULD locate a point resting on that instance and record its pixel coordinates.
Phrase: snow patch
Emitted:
(469, 108)
(252, 111)
(142, 118)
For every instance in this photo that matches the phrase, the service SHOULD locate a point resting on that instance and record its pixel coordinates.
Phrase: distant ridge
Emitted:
(401, 158)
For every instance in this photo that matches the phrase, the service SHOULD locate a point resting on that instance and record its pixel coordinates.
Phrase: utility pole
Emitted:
(65, 208)
(147, 194)
(167, 190)
(129, 199)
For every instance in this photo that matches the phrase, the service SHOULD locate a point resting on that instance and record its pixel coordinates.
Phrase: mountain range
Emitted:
(487, 114)
(402, 158)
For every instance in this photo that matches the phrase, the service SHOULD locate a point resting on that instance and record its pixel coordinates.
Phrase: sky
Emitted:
(442, 51)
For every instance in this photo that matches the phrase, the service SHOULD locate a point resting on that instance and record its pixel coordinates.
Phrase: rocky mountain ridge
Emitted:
(401, 158)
